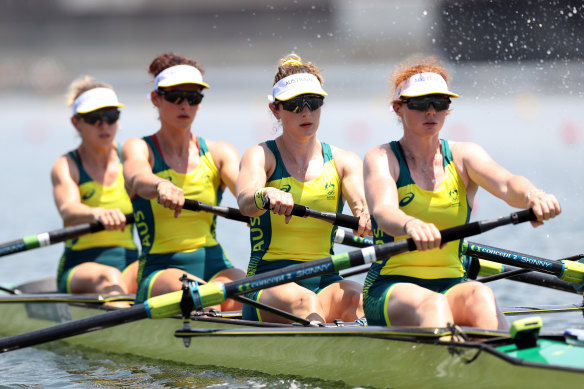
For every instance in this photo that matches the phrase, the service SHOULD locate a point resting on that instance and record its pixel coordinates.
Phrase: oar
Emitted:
(169, 305)
(226, 212)
(51, 237)
(335, 218)
(496, 271)
(566, 270)
(511, 272)
(341, 237)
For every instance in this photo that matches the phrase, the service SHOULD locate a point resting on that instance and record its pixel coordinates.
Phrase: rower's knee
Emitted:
(309, 307)
(435, 311)
(110, 282)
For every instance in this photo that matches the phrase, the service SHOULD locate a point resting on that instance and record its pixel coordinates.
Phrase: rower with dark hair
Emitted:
(164, 169)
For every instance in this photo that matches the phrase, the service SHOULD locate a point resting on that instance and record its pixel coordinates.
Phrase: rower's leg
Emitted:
(130, 277)
(342, 300)
(292, 298)
(92, 277)
(473, 304)
(229, 275)
(413, 305)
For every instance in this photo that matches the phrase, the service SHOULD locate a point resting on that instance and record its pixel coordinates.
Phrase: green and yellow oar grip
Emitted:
(168, 305)
(573, 272)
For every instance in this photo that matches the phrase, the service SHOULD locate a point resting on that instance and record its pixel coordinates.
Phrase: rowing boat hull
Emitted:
(360, 356)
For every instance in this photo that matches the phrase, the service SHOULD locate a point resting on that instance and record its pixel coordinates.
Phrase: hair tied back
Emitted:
(292, 62)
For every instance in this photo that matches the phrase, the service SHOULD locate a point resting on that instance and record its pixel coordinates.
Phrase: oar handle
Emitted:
(48, 238)
(226, 212)
(338, 219)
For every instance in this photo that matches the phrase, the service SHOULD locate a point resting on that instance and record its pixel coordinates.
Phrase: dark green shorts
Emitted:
(204, 263)
(258, 266)
(117, 257)
(376, 294)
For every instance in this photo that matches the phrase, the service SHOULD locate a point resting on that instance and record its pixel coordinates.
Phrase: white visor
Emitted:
(94, 99)
(423, 84)
(295, 85)
(179, 74)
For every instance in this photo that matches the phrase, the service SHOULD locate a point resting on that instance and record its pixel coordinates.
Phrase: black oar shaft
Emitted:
(364, 256)
(52, 237)
(226, 212)
(338, 219)
(515, 259)
(76, 327)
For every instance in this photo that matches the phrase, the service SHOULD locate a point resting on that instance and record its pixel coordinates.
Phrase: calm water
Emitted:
(526, 129)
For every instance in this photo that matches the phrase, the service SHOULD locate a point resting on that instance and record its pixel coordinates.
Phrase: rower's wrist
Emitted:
(531, 192)
(405, 226)
(258, 198)
(158, 184)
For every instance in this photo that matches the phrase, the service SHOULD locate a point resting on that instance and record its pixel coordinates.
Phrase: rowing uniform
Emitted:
(437, 270)
(275, 244)
(187, 242)
(112, 248)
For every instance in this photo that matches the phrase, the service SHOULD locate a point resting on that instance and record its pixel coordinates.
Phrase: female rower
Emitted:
(420, 184)
(88, 186)
(162, 170)
(297, 168)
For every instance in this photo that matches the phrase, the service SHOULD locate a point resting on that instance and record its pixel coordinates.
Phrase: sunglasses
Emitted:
(297, 104)
(178, 96)
(422, 103)
(110, 116)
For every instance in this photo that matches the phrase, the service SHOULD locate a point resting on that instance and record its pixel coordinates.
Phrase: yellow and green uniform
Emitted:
(112, 248)
(437, 270)
(187, 242)
(275, 244)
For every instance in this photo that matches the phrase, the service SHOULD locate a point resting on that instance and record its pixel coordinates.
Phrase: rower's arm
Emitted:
(64, 177)
(138, 162)
(350, 168)
(226, 158)
(381, 191)
(252, 177)
(517, 191)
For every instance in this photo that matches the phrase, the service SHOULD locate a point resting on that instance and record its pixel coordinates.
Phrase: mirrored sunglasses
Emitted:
(110, 116)
(177, 96)
(422, 103)
(297, 104)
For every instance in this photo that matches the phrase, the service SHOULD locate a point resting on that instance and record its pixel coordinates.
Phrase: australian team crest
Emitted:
(329, 189)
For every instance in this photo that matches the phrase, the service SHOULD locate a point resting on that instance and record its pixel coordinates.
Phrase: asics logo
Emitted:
(286, 188)
(87, 195)
(406, 199)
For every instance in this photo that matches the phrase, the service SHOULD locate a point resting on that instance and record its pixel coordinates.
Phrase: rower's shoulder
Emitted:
(342, 155)
(222, 149)
(463, 149)
(380, 151)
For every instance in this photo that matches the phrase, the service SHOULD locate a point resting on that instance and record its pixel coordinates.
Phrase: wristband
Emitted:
(258, 197)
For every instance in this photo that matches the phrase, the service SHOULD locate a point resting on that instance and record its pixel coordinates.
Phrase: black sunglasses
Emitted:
(178, 96)
(110, 116)
(422, 103)
(297, 104)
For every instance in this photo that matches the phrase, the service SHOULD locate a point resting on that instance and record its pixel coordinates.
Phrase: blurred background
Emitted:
(517, 65)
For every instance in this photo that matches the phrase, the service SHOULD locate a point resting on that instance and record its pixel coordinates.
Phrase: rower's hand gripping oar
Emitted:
(51, 237)
(168, 305)
(341, 237)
